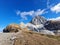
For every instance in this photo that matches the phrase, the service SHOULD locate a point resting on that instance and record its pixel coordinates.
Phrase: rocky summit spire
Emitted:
(37, 20)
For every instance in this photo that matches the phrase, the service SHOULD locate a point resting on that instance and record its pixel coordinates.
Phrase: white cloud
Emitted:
(33, 12)
(30, 13)
(49, 5)
(57, 18)
(56, 8)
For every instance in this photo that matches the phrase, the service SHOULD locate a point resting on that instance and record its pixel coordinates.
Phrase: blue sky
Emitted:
(16, 11)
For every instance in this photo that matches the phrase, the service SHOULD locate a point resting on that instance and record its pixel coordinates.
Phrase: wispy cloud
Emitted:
(57, 18)
(30, 13)
(56, 8)
(48, 2)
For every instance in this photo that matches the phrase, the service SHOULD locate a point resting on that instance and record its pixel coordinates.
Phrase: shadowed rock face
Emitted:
(37, 20)
(52, 25)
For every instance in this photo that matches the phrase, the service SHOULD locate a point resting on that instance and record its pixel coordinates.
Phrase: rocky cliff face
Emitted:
(52, 25)
(37, 20)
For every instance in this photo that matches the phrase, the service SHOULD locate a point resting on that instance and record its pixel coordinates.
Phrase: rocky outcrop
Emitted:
(12, 28)
(15, 28)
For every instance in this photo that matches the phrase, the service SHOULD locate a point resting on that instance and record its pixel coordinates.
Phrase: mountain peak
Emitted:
(37, 20)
